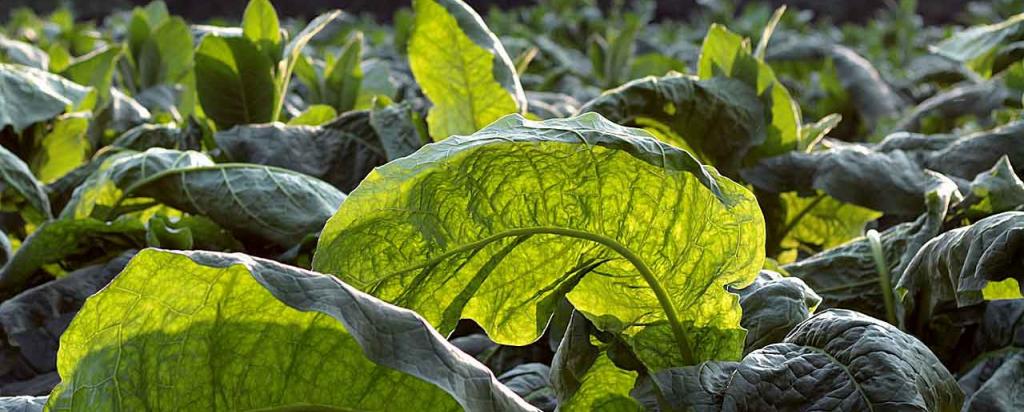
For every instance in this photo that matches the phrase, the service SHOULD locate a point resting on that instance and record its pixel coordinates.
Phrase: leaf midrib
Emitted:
(685, 349)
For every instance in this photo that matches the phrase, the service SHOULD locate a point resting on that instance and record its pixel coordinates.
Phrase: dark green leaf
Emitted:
(235, 81)
(341, 153)
(30, 95)
(721, 120)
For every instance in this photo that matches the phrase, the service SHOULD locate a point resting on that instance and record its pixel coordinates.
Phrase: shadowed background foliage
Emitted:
(932, 11)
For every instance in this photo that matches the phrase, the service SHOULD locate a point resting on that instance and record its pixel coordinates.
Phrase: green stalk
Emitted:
(884, 278)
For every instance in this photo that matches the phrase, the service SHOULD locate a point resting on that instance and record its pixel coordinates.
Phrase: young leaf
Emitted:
(727, 54)
(292, 53)
(213, 331)
(462, 68)
(503, 248)
(314, 115)
(342, 80)
(971, 44)
(260, 25)
(234, 81)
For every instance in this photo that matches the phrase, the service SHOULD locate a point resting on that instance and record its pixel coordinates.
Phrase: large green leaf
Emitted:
(235, 81)
(210, 331)
(29, 95)
(638, 235)
(104, 188)
(264, 202)
(728, 54)
(462, 68)
(721, 120)
(17, 177)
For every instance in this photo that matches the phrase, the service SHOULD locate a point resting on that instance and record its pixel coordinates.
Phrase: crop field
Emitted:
(573, 205)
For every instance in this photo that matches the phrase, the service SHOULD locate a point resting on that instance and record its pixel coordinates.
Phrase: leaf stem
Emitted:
(884, 278)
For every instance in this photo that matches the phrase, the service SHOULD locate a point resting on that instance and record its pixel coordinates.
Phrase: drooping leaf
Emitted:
(848, 276)
(462, 68)
(836, 360)
(341, 153)
(721, 120)
(873, 97)
(222, 328)
(97, 196)
(994, 191)
(33, 321)
(530, 381)
(17, 177)
(29, 95)
(956, 266)
(849, 173)
(971, 99)
(772, 306)
(23, 53)
(478, 243)
(235, 81)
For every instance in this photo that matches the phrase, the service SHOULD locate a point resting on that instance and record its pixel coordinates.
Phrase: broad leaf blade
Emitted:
(502, 248)
(186, 330)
